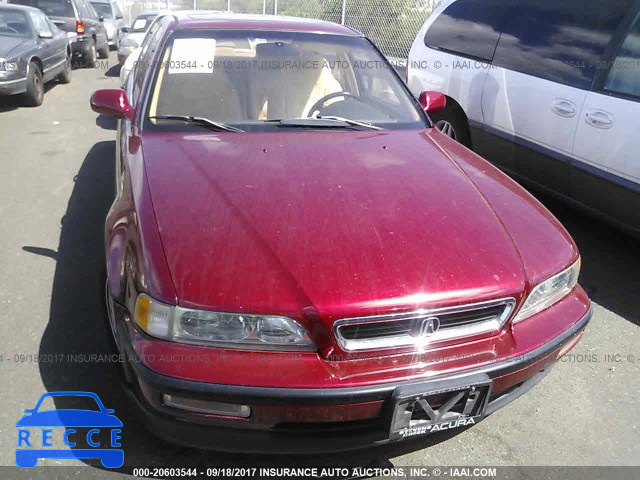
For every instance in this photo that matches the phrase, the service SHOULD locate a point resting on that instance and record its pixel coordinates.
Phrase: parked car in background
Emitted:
(358, 278)
(549, 91)
(112, 18)
(33, 51)
(78, 17)
(134, 35)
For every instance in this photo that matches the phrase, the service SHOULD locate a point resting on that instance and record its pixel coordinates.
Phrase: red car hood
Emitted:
(330, 224)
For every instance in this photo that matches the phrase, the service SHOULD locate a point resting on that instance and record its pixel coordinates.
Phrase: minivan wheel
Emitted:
(446, 128)
(35, 87)
(452, 123)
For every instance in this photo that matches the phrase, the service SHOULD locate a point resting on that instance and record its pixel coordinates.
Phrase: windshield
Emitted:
(253, 79)
(13, 24)
(103, 9)
(51, 8)
(142, 23)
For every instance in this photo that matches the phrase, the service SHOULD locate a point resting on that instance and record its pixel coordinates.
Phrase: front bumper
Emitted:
(510, 378)
(13, 86)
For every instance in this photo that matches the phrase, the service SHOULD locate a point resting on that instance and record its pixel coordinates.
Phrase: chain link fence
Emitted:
(391, 24)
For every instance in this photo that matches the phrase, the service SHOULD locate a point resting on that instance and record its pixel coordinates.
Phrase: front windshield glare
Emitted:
(255, 78)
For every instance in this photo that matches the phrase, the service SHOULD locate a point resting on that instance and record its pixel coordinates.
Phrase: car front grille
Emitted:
(422, 327)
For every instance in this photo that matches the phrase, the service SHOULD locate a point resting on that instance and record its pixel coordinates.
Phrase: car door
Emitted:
(45, 44)
(59, 42)
(92, 23)
(453, 50)
(118, 19)
(543, 66)
(606, 175)
(102, 39)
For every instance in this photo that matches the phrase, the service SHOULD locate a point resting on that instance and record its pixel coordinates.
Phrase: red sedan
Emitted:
(298, 261)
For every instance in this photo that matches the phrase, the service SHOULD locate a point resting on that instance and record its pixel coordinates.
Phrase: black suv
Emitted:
(85, 29)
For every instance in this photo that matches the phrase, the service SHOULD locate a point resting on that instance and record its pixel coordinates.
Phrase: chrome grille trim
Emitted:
(482, 325)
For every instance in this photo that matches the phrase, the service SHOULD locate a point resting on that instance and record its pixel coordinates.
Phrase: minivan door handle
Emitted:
(563, 107)
(599, 118)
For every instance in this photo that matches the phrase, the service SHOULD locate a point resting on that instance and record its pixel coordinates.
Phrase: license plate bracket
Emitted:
(434, 406)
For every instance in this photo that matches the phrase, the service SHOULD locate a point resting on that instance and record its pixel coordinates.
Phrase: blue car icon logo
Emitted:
(88, 433)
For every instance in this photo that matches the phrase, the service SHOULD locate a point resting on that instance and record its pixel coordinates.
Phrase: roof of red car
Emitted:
(199, 19)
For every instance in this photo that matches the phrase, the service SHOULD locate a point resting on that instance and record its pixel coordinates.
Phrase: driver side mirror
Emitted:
(45, 35)
(101, 18)
(432, 102)
(124, 29)
(112, 102)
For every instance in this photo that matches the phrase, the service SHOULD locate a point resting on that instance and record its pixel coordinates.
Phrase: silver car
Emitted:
(134, 36)
(113, 20)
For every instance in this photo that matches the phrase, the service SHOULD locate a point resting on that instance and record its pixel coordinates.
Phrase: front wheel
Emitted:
(35, 87)
(452, 122)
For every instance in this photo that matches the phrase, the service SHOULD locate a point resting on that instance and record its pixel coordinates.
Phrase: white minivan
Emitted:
(547, 90)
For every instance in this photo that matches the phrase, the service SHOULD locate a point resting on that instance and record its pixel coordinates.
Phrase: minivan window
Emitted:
(561, 41)
(470, 28)
(103, 9)
(624, 76)
(51, 8)
(142, 22)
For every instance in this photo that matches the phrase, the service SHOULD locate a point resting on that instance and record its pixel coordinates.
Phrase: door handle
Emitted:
(599, 119)
(563, 107)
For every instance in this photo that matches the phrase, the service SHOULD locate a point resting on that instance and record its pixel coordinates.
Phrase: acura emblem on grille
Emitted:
(429, 326)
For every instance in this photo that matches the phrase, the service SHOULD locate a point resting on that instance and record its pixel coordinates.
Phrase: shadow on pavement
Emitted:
(106, 122)
(113, 71)
(10, 103)
(610, 260)
(77, 326)
(13, 102)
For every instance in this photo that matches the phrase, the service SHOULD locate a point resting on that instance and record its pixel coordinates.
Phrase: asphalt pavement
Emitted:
(56, 185)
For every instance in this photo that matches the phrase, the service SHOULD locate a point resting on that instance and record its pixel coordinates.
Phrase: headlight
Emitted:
(8, 66)
(549, 292)
(231, 330)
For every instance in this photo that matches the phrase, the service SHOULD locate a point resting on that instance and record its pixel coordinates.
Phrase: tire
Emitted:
(104, 51)
(35, 87)
(65, 76)
(452, 122)
(91, 56)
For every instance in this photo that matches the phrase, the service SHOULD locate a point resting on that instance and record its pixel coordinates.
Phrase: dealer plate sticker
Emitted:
(192, 55)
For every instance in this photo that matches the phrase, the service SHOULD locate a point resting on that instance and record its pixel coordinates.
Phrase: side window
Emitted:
(52, 26)
(561, 41)
(147, 49)
(40, 22)
(470, 28)
(117, 13)
(624, 76)
(82, 9)
(90, 10)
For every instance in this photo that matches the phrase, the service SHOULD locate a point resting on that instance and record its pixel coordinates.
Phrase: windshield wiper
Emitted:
(202, 121)
(348, 121)
(328, 121)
